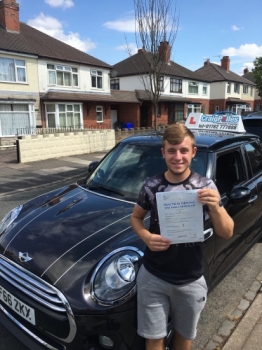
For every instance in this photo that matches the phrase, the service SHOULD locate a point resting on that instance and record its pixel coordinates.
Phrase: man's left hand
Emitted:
(209, 197)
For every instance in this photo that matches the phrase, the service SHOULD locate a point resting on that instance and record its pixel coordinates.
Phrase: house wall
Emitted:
(84, 78)
(218, 90)
(24, 91)
(129, 113)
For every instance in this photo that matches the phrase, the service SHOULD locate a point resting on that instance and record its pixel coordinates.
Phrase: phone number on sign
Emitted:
(218, 126)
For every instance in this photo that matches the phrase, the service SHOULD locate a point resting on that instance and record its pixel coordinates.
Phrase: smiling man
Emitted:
(171, 278)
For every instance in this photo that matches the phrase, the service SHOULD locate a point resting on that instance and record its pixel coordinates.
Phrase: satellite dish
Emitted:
(113, 73)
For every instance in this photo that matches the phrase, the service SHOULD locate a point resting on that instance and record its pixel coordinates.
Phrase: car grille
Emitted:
(38, 290)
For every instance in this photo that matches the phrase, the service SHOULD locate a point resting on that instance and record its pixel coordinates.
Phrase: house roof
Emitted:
(214, 72)
(116, 96)
(249, 76)
(137, 64)
(143, 95)
(32, 41)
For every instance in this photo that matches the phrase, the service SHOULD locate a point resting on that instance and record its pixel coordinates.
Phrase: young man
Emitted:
(171, 278)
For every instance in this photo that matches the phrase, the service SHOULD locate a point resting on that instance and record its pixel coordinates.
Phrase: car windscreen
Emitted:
(125, 168)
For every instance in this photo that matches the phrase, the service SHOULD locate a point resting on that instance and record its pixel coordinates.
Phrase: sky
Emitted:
(206, 29)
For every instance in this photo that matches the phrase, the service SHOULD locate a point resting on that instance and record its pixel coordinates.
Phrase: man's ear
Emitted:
(194, 151)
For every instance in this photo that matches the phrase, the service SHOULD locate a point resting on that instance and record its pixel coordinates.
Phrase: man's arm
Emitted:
(223, 223)
(154, 241)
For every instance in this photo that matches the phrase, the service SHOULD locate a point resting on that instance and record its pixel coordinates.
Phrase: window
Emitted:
(175, 85)
(217, 108)
(254, 153)
(12, 70)
(193, 87)
(228, 87)
(251, 90)
(61, 115)
(16, 119)
(99, 114)
(193, 109)
(114, 84)
(245, 89)
(62, 75)
(96, 79)
(204, 91)
(229, 171)
(236, 88)
(161, 84)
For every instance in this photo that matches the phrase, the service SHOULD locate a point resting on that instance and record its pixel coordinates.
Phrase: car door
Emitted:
(231, 171)
(253, 153)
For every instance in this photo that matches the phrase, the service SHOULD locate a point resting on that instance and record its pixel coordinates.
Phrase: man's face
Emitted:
(178, 157)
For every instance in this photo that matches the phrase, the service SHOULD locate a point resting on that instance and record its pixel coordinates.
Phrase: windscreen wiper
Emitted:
(100, 187)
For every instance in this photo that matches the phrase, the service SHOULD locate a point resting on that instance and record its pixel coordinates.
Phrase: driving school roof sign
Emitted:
(225, 122)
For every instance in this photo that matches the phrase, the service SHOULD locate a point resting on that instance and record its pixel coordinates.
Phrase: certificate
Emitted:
(180, 216)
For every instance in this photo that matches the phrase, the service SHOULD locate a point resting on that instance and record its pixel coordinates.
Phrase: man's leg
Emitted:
(154, 344)
(180, 343)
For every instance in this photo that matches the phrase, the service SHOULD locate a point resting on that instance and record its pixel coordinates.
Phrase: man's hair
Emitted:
(176, 133)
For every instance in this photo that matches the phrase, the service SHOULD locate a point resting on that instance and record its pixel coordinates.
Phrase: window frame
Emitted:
(205, 86)
(195, 84)
(16, 67)
(176, 82)
(102, 113)
(95, 73)
(64, 69)
(236, 88)
(245, 89)
(57, 114)
(160, 84)
(229, 87)
(115, 84)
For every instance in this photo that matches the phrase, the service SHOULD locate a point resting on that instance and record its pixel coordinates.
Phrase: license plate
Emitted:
(17, 305)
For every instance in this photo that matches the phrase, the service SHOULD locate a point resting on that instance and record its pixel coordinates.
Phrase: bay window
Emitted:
(60, 115)
(12, 70)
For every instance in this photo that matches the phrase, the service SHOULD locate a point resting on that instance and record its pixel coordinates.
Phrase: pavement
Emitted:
(242, 330)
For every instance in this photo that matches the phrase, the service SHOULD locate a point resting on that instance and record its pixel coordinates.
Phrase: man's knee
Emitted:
(155, 344)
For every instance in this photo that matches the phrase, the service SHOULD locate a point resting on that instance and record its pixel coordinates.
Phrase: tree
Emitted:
(156, 29)
(257, 73)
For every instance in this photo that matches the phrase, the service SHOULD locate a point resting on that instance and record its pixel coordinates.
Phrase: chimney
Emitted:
(164, 51)
(246, 70)
(225, 63)
(9, 15)
(207, 62)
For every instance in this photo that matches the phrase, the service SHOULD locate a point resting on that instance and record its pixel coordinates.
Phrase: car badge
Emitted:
(24, 257)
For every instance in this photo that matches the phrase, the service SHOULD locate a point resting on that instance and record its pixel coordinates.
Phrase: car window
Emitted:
(199, 163)
(254, 153)
(229, 171)
(253, 126)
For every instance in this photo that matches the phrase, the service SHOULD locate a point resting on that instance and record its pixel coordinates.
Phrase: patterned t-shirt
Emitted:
(180, 263)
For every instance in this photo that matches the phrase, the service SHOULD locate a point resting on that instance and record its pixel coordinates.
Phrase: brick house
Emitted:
(257, 99)
(183, 91)
(47, 83)
(228, 90)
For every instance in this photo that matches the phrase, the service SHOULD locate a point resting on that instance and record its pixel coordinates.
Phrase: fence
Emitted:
(77, 128)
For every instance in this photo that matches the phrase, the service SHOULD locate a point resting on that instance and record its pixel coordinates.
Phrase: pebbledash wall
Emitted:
(40, 147)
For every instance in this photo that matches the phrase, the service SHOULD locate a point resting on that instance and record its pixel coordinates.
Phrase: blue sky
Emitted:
(207, 28)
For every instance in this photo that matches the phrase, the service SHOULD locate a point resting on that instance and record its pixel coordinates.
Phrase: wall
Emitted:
(40, 147)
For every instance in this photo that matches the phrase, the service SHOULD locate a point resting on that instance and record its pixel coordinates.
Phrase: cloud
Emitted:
(247, 50)
(249, 65)
(54, 28)
(122, 25)
(236, 28)
(60, 3)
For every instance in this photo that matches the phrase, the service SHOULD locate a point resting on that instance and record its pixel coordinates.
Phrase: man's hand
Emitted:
(209, 197)
(157, 243)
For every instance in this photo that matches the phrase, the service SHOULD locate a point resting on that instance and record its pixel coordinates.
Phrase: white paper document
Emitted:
(180, 216)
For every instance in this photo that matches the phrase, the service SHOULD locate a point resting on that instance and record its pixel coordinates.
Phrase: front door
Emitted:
(143, 116)
(113, 116)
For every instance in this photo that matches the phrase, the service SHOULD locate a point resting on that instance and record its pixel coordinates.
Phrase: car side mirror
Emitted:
(240, 195)
(92, 166)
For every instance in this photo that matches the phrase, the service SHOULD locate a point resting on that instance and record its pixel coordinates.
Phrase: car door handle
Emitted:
(208, 233)
(253, 199)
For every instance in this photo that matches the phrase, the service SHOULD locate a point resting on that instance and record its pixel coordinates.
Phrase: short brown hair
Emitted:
(176, 133)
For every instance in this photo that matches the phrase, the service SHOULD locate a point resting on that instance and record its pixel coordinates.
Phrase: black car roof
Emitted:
(211, 140)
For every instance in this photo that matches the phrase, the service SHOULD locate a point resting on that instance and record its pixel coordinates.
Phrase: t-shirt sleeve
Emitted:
(143, 199)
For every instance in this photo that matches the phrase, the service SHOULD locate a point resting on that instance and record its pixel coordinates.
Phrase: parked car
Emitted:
(253, 123)
(69, 258)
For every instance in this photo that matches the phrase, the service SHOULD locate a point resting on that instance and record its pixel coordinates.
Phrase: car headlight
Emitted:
(9, 218)
(114, 280)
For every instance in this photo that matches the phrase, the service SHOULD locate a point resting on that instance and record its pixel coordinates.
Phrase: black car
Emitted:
(69, 258)
(253, 123)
